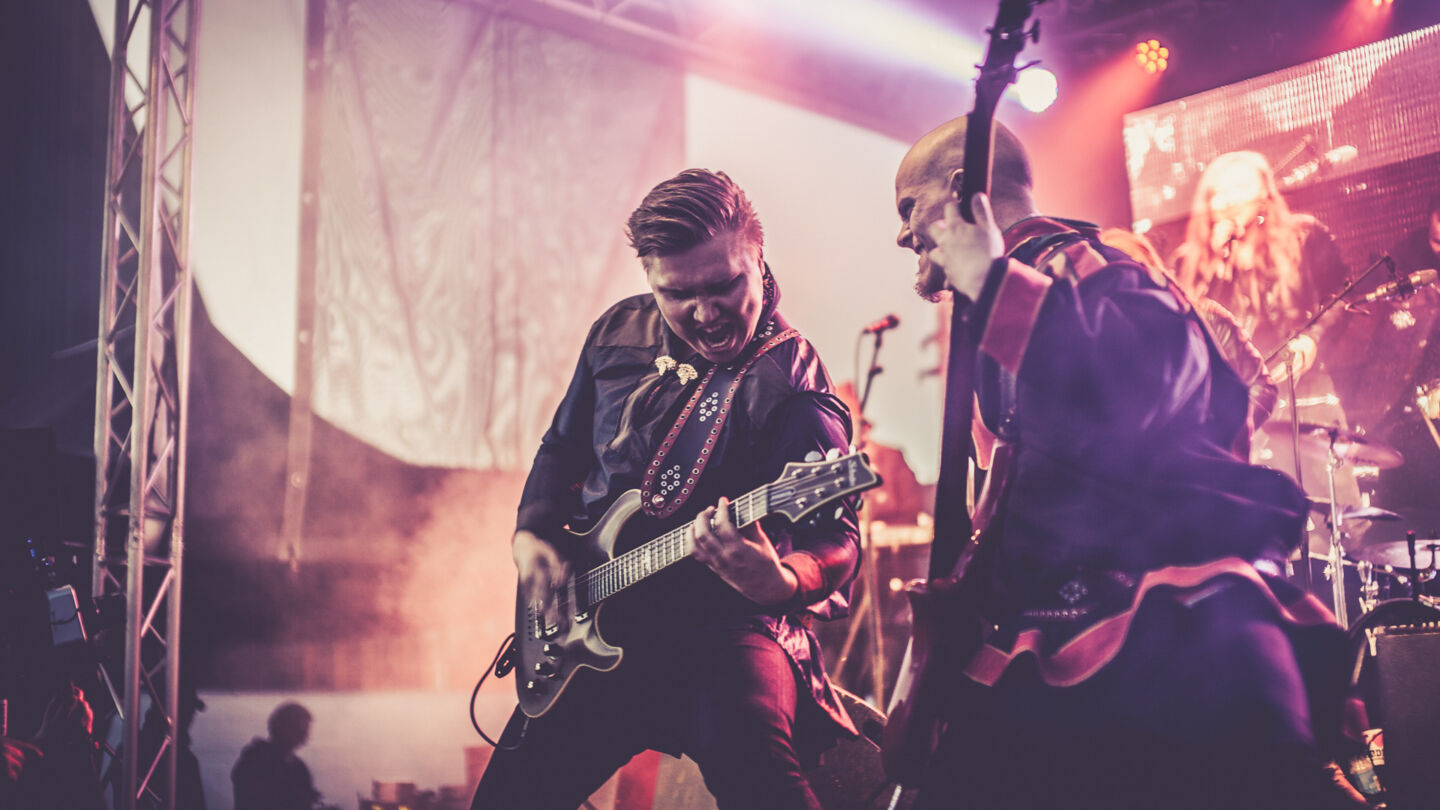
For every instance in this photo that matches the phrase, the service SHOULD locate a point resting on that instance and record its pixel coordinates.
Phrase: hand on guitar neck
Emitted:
(744, 558)
(543, 572)
(964, 249)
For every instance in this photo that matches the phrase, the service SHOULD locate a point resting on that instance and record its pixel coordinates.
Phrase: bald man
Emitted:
(1141, 657)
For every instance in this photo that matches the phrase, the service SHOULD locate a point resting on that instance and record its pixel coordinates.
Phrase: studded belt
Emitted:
(1081, 595)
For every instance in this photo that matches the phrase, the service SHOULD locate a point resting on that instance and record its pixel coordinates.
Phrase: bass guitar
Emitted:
(549, 653)
(946, 619)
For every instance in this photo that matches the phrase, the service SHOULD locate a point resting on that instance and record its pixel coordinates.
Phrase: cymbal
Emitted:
(1368, 513)
(1354, 512)
(1354, 448)
(1396, 553)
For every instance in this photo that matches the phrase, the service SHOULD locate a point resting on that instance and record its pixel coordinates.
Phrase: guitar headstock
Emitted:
(1007, 39)
(805, 486)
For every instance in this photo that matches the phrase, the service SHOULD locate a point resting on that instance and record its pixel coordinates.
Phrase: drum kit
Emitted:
(1373, 361)
(1389, 552)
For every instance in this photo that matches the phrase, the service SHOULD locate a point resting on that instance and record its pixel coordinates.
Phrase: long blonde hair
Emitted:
(1264, 266)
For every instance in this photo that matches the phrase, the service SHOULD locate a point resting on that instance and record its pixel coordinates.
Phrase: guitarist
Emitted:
(718, 663)
(1136, 656)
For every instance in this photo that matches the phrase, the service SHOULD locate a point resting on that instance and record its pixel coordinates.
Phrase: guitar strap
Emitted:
(675, 470)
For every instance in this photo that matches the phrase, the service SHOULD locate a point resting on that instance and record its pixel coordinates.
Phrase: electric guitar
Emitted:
(549, 655)
(946, 611)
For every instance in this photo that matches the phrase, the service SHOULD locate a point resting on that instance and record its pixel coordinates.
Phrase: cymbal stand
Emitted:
(1337, 532)
(1414, 566)
(1292, 363)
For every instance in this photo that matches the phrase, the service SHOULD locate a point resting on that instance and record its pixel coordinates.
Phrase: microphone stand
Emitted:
(1288, 356)
(868, 611)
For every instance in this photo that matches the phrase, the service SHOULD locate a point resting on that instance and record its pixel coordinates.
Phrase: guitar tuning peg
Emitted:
(839, 512)
(813, 455)
(832, 454)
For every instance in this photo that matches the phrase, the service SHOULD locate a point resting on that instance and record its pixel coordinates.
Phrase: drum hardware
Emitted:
(1287, 356)
(1336, 447)
(1355, 449)
(1346, 447)
(1394, 557)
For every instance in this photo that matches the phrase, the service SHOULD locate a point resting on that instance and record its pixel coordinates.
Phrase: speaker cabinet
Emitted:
(1407, 663)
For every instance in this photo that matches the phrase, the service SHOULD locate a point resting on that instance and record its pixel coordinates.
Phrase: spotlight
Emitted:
(1152, 56)
(1037, 89)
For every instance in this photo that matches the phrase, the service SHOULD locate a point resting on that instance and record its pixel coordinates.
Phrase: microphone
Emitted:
(887, 323)
(1331, 158)
(1401, 287)
(1224, 232)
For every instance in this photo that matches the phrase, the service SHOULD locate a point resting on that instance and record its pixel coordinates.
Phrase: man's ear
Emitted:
(953, 182)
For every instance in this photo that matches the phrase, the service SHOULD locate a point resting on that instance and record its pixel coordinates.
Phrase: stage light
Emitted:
(1036, 88)
(1152, 56)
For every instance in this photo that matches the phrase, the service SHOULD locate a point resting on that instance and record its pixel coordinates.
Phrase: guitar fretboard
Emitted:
(609, 578)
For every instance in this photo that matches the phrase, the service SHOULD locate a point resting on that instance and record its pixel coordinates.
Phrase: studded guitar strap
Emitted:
(681, 458)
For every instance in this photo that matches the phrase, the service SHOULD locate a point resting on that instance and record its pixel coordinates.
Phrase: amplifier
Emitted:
(1407, 660)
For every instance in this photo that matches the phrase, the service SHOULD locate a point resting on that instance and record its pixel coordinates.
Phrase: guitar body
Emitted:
(550, 651)
(547, 659)
(946, 629)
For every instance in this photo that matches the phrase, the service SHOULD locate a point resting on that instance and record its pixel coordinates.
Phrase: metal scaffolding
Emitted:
(142, 383)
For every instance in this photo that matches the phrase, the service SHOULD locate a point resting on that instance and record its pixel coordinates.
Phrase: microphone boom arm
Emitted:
(1329, 305)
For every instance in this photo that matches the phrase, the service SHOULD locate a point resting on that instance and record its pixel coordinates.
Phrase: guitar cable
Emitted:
(501, 665)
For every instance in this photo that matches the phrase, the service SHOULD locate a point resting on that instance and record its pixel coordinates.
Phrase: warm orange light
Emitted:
(1358, 23)
(1152, 56)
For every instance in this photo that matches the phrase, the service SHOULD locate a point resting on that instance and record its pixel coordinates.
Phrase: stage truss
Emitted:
(142, 384)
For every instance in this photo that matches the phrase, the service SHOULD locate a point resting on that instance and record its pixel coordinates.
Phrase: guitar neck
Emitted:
(652, 557)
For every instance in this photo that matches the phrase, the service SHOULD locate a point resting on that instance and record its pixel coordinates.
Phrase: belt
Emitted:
(1082, 594)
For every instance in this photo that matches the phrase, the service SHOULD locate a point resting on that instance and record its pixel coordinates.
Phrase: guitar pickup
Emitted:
(540, 628)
